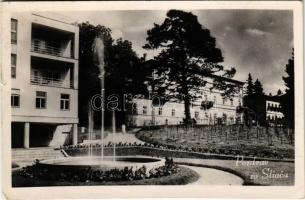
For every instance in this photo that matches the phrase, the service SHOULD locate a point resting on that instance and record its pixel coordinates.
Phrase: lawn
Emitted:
(256, 141)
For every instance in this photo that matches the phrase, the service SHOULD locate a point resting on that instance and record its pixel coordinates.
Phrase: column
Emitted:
(74, 138)
(26, 138)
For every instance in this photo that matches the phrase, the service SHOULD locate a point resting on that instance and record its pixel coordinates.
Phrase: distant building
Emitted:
(211, 109)
(274, 112)
(265, 109)
(44, 74)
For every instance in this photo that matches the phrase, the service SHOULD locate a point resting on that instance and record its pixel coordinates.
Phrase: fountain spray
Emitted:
(98, 57)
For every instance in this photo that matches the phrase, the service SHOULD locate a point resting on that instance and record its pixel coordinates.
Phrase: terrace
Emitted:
(51, 73)
(51, 41)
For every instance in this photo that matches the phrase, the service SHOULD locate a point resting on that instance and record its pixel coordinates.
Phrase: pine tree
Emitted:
(249, 89)
(258, 88)
(187, 50)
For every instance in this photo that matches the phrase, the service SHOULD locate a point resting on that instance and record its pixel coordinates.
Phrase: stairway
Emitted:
(60, 135)
(30, 155)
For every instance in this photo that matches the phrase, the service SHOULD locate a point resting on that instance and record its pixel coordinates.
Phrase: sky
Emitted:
(259, 42)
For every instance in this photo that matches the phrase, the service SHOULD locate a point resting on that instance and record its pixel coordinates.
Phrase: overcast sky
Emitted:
(257, 41)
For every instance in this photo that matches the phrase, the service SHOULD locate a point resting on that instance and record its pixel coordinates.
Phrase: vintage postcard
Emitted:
(152, 99)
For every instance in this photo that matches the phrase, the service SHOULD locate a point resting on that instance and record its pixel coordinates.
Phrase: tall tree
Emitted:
(188, 53)
(288, 97)
(124, 73)
(258, 88)
(127, 75)
(249, 89)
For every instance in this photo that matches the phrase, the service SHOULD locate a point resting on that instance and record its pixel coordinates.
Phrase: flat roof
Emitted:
(55, 17)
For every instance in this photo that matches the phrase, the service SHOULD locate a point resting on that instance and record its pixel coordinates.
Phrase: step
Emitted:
(29, 155)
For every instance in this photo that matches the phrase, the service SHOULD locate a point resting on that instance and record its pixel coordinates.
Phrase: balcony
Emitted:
(50, 82)
(50, 48)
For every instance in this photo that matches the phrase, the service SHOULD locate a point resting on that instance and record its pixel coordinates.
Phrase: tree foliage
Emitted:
(279, 92)
(288, 97)
(188, 54)
(124, 74)
(249, 89)
(258, 88)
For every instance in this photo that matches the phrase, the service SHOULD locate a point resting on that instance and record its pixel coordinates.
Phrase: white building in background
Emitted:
(273, 109)
(44, 74)
(221, 110)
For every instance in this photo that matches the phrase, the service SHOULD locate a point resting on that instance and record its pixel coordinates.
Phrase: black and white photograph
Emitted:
(153, 97)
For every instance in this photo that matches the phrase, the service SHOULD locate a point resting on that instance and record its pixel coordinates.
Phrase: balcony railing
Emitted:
(51, 82)
(41, 46)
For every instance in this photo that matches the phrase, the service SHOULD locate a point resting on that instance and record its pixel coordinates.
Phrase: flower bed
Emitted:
(42, 172)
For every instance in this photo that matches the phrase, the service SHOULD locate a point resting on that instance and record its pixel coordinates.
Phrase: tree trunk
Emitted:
(187, 110)
(186, 100)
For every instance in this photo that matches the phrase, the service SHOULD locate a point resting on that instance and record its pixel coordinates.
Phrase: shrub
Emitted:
(42, 172)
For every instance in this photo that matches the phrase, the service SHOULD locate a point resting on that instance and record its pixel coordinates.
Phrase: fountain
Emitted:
(102, 162)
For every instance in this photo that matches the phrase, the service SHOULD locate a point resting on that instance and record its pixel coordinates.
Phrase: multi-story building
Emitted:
(44, 74)
(264, 109)
(211, 109)
(273, 107)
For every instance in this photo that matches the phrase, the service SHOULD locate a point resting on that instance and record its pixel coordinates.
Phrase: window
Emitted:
(15, 98)
(35, 78)
(55, 76)
(50, 76)
(206, 97)
(196, 115)
(64, 101)
(173, 112)
(206, 115)
(134, 109)
(144, 110)
(160, 111)
(41, 99)
(13, 65)
(13, 31)
(223, 101)
(231, 102)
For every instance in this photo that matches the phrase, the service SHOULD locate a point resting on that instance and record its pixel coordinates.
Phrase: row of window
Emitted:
(159, 112)
(274, 105)
(273, 117)
(196, 114)
(224, 100)
(40, 100)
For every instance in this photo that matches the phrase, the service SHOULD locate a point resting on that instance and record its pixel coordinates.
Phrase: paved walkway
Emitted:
(247, 171)
(209, 176)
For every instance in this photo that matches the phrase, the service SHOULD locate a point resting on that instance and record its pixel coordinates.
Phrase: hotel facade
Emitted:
(211, 109)
(44, 74)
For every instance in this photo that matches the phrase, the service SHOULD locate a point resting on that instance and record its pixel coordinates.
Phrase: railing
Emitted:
(44, 47)
(51, 82)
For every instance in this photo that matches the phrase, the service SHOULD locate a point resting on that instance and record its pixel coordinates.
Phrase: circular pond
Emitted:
(105, 163)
